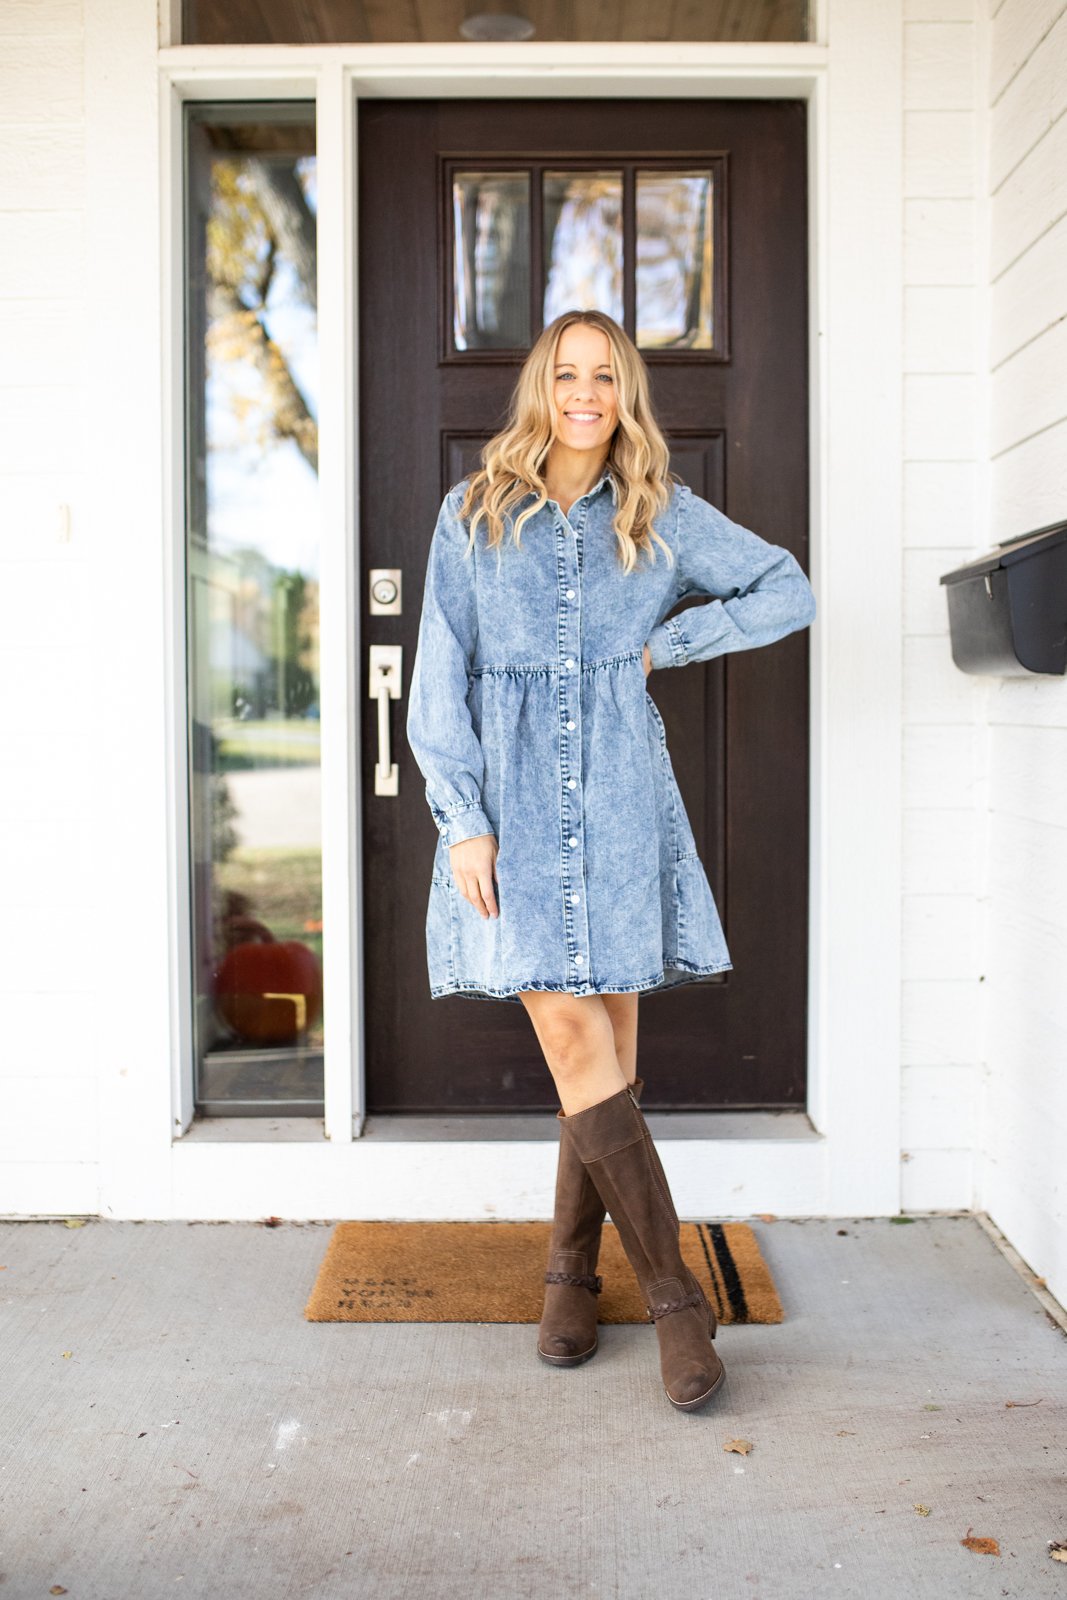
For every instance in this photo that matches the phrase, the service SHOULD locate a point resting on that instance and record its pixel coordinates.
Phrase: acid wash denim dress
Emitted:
(529, 719)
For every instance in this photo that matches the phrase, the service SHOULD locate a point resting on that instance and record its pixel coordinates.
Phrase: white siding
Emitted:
(49, 705)
(1021, 1139)
(940, 967)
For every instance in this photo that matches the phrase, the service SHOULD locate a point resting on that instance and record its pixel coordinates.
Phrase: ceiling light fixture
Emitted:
(495, 27)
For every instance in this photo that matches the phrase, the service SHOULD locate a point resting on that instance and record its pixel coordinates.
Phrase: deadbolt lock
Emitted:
(385, 591)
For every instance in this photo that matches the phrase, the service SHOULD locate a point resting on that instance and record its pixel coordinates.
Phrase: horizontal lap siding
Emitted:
(1025, 1114)
(56, 1020)
(943, 747)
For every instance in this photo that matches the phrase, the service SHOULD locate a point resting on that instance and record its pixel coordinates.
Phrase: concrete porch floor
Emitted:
(202, 1439)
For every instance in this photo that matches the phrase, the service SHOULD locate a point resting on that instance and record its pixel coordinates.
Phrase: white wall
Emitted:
(1023, 1139)
(49, 704)
(943, 524)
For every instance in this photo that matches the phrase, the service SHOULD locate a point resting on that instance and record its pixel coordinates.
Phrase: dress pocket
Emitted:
(682, 842)
(661, 732)
(440, 953)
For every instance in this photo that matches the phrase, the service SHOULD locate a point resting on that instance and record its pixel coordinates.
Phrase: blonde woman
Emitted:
(566, 876)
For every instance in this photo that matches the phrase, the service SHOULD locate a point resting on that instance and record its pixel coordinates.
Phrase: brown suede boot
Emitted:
(616, 1149)
(567, 1332)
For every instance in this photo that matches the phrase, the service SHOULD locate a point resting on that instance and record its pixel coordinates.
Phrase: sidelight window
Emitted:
(252, 599)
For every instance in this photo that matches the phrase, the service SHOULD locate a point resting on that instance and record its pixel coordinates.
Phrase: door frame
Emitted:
(846, 1157)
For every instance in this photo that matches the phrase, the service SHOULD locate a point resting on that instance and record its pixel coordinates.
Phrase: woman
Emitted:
(566, 876)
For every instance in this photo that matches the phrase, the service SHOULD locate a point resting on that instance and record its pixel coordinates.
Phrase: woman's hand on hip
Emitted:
(474, 868)
(647, 660)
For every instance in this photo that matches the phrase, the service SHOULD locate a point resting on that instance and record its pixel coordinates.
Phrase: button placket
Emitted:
(569, 565)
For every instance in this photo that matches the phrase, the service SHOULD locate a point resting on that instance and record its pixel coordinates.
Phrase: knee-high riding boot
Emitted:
(567, 1331)
(616, 1149)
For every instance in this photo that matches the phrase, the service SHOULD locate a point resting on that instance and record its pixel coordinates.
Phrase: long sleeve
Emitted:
(760, 590)
(439, 728)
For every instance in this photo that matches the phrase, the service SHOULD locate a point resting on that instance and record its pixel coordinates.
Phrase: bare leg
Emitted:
(589, 1043)
(622, 1009)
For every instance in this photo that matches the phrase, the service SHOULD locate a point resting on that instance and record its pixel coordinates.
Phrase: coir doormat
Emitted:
(494, 1272)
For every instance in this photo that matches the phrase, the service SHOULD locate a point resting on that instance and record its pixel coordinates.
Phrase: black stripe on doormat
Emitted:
(711, 1270)
(735, 1291)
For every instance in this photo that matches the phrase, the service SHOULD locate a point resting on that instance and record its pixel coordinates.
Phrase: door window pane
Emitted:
(253, 607)
(675, 260)
(491, 260)
(583, 242)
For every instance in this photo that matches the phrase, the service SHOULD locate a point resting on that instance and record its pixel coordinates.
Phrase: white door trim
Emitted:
(853, 89)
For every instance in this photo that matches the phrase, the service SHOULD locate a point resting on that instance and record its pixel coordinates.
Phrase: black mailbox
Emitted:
(1007, 611)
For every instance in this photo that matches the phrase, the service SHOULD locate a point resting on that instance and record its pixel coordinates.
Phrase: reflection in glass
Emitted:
(583, 242)
(253, 607)
(491, 260)
(674, 260)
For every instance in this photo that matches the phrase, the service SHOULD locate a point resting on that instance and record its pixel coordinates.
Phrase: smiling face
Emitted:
(583, 389)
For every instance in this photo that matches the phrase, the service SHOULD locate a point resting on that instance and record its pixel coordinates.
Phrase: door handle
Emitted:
(385, 675)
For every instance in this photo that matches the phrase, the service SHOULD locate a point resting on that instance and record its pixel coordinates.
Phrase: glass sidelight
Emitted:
(252, 593)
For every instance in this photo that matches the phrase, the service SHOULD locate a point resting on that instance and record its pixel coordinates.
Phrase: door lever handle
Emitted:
(385, 682)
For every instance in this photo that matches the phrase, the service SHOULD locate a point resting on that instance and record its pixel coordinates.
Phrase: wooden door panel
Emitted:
(737, 726)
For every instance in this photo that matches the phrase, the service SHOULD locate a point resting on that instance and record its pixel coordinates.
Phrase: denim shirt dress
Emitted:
(529, 718)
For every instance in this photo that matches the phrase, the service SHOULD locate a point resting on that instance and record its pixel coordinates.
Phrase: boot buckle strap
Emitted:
(664, 1307)
(580, 1280)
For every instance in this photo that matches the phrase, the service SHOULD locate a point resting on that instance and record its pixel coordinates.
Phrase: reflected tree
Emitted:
(260, 226)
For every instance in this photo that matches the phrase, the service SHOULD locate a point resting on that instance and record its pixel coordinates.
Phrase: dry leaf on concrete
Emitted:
(924, 1511)
(1057, 1550)
(1009, 1403)
(740, 1446)
(981, 1547)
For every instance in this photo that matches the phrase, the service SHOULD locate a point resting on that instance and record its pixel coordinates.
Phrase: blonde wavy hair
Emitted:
(514, 459)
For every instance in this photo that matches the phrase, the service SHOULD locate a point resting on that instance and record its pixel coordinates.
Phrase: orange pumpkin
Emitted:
(269, 990)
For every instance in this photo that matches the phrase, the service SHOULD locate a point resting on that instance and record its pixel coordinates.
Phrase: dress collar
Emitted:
(610, 477)
(605, 477)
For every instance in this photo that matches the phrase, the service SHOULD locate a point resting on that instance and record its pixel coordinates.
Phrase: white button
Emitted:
(578, 960)
(569, 662)
(570, 594)
(570, 724)
(570, 783)
(575, 899)
(572, 840)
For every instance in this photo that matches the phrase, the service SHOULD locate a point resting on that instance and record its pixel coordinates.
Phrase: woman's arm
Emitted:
(439, 728)
(760, 590)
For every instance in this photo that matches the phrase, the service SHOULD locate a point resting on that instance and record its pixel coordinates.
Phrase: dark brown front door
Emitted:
(687, 220)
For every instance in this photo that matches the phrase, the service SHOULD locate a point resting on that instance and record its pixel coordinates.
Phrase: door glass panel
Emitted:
(583, 242)
(491, 260)
(674, 260)
(252, 591)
